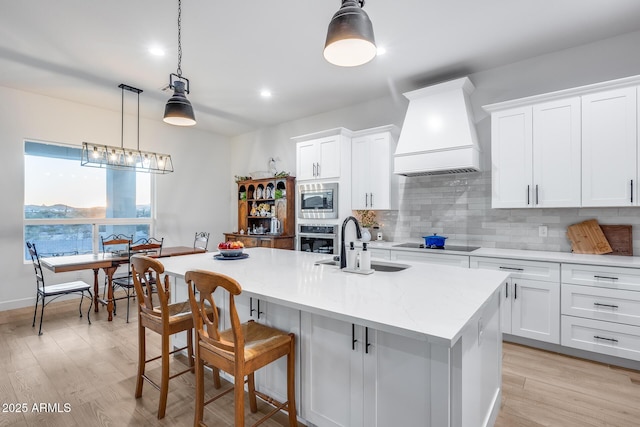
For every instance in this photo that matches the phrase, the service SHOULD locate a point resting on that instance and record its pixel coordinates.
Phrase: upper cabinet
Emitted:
(372, 179)
(572, 148)
(321, 155)
(609, 145)
(535, 154)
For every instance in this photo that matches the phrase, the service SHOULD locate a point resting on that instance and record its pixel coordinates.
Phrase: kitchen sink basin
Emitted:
(375, 265)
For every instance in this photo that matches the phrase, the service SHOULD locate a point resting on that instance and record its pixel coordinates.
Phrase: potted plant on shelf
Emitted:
(367, 219)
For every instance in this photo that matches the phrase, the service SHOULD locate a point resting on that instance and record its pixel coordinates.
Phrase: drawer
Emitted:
(380, 253)
(614, 305)
(609, 338)
(431, 258)
(520, 269)
(606, 277)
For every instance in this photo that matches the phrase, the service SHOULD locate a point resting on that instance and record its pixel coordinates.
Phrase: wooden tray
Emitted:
(587, 238)
(620, 238)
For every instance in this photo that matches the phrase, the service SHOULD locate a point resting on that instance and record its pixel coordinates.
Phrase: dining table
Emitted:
(109, 263)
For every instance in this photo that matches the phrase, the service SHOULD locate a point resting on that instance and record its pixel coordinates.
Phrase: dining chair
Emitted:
(201, 241)
(165, 319)
(147, 246)
(239, 351)
(44, 291)
(116, 245)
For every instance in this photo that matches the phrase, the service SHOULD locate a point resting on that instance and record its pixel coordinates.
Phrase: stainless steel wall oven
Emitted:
(320, 238)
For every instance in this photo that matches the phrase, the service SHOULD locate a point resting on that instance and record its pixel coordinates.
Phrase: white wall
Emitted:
(187, 200)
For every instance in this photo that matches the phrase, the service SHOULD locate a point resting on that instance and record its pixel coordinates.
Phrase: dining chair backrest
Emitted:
(148, 245)
(206, 326)
(35, 258)
(116, 243)
(201, 241)
(142, 269)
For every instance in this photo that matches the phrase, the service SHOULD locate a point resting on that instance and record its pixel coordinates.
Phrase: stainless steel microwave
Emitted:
(318, 200)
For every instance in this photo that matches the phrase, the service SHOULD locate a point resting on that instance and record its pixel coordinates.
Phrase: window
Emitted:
(67, 207)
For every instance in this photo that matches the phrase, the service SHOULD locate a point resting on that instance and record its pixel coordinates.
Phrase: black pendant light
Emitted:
(350, 40)
(178, 110)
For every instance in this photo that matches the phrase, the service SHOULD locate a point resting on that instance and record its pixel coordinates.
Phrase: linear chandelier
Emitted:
(111, 157)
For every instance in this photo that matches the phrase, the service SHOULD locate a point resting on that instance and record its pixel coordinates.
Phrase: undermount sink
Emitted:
(375, 265)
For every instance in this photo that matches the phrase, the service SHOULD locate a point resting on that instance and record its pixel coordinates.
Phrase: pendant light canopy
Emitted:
(178, 110)
(350, 41)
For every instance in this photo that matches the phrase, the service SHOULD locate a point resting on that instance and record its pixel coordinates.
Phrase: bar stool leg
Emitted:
(164, 382)
(142, 355)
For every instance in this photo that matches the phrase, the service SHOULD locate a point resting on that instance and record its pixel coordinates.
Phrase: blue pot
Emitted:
(434, 241)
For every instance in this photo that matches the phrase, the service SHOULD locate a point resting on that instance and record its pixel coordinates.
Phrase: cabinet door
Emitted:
(396, 375)
(556, 154)
(272, 379)
(306, 155)
(511, 158)
(328, 162)
(506, 293)
(360, 172)
(609, 157)
(331, 371)
(535, 311)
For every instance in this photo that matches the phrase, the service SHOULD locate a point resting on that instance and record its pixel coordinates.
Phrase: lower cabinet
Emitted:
(530, 298)
(341, 359)
(431, 258)
(272, 379)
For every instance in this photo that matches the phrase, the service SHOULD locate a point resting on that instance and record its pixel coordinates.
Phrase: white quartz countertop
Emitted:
(562, 257)
(423, 301)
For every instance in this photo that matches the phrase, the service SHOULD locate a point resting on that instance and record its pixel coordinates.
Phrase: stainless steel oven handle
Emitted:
(319, 236)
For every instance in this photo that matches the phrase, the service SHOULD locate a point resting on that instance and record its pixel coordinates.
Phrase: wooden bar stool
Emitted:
(165, 319)
(239, 351)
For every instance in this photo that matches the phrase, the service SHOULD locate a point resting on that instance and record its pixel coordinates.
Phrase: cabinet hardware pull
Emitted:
(318, 169)
(251, 309)
(605, 305)
(528, 195)
(366, 200)
(366, 340)
(537, 198)
(604, 338)
(515, 291)
(506, 290)
(605, 277)
(259, 312)
(371, 198)
(314, 170)
(353, 336)
(511, 268)
(631, 191)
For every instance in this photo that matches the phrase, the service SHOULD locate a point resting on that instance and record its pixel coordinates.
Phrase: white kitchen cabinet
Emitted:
(609, 148)
(373, 183)
(431, 258)
(271, 379)
(323, 154)
(341, 359)
(535, 153)
(601, 309)
(530, 298)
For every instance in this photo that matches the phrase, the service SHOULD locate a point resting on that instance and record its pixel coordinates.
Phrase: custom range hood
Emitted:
(438, 135)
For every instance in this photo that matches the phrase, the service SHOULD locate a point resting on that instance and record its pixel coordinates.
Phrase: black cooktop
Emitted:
(441, 248)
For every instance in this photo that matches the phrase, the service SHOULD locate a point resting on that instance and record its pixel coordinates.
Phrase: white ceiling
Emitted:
(81, 50)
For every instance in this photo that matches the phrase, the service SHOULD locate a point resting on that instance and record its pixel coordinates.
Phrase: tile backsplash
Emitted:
(459, 207)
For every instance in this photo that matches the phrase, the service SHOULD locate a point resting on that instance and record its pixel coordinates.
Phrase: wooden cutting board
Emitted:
(587, 238)
(620, 239)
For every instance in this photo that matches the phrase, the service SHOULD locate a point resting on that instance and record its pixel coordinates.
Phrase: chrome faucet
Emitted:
(343, 249)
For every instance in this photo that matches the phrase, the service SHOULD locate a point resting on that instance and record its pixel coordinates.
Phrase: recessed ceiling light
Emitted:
(265, 93)
(156, 51)
(381, 51)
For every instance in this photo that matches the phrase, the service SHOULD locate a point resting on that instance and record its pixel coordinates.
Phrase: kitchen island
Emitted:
(421, 346)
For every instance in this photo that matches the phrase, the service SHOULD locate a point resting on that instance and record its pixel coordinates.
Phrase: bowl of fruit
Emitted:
(230, 249)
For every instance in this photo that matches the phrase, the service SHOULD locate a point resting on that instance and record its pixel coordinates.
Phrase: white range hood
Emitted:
(438, 135)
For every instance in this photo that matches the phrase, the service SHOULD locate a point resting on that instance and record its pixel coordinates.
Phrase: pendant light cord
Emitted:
(179, 70)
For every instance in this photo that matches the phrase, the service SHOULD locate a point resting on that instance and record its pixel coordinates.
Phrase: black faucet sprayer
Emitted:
(343, 249)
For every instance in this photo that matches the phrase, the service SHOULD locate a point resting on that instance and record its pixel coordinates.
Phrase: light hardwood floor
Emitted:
(92, 369)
